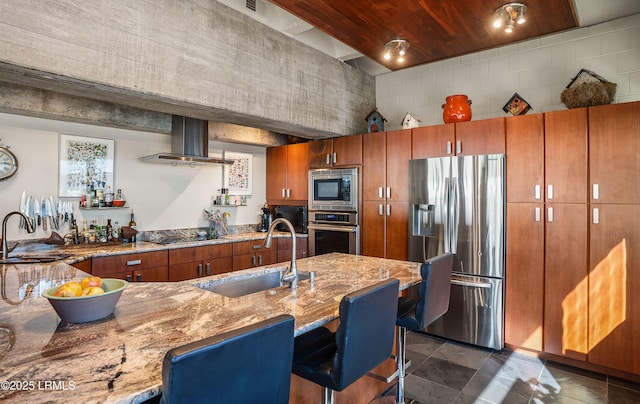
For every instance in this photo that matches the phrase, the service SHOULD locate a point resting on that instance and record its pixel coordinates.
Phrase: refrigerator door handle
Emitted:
(455, 215)
(446, 219)
(483, 285)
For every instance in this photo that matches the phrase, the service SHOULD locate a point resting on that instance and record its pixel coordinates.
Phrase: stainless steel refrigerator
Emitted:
(457, 205)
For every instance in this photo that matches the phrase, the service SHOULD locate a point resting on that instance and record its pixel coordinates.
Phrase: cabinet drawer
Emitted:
(128, 262)
(217, 251)
(251, 247)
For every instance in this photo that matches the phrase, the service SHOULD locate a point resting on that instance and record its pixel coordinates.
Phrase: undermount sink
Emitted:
(254, 284)
(34, 259)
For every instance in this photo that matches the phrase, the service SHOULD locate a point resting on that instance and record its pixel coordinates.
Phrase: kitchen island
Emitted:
(119, 358)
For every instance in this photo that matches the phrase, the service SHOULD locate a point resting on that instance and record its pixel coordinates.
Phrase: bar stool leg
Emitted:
(400, 359)
(327, 396)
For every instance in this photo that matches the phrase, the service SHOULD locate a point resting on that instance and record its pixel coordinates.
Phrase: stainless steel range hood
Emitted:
(189, 144)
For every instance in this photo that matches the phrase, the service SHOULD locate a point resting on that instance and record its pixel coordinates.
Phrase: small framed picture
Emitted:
(84, 161)
(516, 105)
(238, 176)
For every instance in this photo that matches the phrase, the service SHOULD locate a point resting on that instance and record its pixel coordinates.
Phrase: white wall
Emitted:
(162, 196)
(538, 70)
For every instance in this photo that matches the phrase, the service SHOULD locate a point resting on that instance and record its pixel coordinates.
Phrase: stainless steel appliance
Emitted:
(333, 189)
(457, 205)
(297, 215)
(333, 232)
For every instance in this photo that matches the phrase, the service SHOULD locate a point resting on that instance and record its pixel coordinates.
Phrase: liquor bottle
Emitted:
(85, 232)
(74, 232)
(108, 196)
(132, 225)
(116, 232)
(109, 230)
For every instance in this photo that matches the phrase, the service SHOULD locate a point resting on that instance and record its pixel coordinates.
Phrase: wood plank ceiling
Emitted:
(435, 29)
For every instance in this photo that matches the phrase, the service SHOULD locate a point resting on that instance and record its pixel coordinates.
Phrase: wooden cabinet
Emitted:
(385, 190)
(614, 282)
(284, 248)
(138, 267)
(287, 172)
(249, 254)
(336, 152)
(195, 262)
(525, 158)
(462, 138)
(614, 153)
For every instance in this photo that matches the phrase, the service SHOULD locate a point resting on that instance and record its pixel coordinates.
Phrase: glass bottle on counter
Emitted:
(109, 231)
(74, 232)
(85, 232)
(132, 225)
(92, 232)
(115, 232)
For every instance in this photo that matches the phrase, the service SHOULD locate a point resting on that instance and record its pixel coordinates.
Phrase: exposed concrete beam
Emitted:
(226, 132)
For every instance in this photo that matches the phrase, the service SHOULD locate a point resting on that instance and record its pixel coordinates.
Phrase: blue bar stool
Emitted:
(434, 292)
(248, 365)
(363, 340)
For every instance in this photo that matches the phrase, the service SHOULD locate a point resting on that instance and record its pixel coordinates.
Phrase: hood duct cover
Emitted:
(189, 144)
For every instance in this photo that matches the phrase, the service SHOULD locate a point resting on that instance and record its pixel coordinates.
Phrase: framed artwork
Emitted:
(516, 105)
(238, 176)
(84, 161)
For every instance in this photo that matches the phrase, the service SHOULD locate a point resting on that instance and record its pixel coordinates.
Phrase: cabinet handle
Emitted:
(256, 246)
(379, 209)
(596, 191)
(134, 262)
(448, 147)
(537, 192)
(388, 210)
(304, 254)
(380, 192)
(208, 268)
(549, 191)
(138, 277)
(458, 146)
(388, 192)
(335, 158)
(253, 261)
(128, 278)
(199, 270)
(327, 159)
(538, 216)
(260, 260)
(596, 215)
(549, 214)
(288, 193)
(283, 192)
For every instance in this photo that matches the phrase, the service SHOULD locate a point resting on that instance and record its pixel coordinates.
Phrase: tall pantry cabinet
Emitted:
(385, 194)
(614, 259)
(547, 233)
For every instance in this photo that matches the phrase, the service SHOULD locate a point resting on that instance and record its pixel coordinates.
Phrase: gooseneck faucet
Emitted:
(30, 229)
(290, 276)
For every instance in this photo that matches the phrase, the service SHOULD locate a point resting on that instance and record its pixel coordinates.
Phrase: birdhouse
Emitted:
(376, 121)
(409, 121)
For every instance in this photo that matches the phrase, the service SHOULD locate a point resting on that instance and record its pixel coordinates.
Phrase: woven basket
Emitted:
(588, 94)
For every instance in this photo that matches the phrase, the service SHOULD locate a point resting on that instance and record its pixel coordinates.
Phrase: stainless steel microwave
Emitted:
(333, 189)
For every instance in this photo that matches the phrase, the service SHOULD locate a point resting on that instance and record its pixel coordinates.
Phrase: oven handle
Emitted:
(346, 229)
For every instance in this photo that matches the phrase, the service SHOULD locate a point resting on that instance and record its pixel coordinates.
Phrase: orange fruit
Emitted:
(92, 290)
(91, 281)
(69, 289)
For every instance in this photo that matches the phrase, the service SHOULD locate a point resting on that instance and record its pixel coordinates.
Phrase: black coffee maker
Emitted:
(265, 222)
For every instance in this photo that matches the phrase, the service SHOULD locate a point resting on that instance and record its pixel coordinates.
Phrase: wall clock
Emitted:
(8, 163)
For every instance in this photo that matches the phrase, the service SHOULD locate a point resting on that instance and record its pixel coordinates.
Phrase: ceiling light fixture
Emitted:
(396, 48)
(509, 15)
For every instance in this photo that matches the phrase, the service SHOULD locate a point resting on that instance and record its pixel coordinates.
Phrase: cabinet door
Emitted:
(320, 153)
(486, 136)
(566, 155)
(347, 150)
(156, 274)
(276, 180)
(218, 265)
(244, 261)
(374, 166)
(398, 156)
(525, 158)
(266, 258)
(185, 270)
(284, 248)
(372, 230)
(432, 141)
(614, 282)
(397, 229)
(298, 173)
(614, 137)
(524, 280)
(566, 283)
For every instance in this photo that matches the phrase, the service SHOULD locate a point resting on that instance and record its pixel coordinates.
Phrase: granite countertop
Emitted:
(119, 358)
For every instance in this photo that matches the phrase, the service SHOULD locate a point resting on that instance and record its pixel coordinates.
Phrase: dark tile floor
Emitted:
(448, 372)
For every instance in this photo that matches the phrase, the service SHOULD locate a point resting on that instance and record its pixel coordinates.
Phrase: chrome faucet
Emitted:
(30, 229)
(291, 275)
